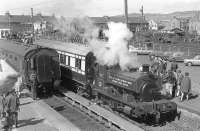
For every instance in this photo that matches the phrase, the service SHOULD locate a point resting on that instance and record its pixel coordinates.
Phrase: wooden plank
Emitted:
(111, 117)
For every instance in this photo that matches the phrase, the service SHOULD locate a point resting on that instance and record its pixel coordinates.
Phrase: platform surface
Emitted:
(192, 105)
(38, 116)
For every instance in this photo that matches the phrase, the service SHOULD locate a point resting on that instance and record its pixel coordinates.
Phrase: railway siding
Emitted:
(101, 113)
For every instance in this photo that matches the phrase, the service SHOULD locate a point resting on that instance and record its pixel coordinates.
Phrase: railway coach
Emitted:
(38, 66)
(73, 62)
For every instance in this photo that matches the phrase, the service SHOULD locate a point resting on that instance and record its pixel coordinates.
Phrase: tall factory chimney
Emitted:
(126, 11)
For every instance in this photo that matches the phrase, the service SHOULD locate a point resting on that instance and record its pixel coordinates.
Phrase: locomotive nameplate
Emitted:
(119, 81)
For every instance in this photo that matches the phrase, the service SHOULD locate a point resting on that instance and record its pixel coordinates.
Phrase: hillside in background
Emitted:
(158, 17)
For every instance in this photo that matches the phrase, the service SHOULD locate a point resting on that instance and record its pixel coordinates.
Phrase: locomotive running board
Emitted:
(103, 115)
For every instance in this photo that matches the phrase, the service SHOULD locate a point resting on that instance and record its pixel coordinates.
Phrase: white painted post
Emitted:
(188, 52)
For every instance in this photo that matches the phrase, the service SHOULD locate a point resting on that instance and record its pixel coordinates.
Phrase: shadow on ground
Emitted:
(193, 96)
(25, 103)
(31, 121)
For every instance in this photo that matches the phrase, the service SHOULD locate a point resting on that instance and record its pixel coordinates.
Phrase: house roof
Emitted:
(106, 19)
(26, 18)
(177, 30)
(99, 20)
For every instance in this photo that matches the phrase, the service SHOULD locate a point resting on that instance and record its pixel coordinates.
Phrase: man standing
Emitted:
(179, 80)
(174, 65)
(2, 113)
(33, 78)
(185, 86)
(12, 108)
(171, 82)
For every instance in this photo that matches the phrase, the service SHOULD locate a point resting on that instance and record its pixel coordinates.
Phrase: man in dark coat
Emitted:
(185, 86)
(180, 77)
(171, 80)
(12, 108)
(174, 66)
(2, 105)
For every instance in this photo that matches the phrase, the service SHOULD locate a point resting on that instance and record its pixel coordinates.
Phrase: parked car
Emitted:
(177, 56)
(193, 61)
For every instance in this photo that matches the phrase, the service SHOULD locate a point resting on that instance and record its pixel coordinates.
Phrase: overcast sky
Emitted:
(95, 7)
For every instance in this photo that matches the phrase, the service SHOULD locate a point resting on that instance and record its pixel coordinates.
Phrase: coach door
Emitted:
(44, 69)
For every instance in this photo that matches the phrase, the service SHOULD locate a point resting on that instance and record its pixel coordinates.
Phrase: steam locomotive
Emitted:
(134, 93)
(38, 66)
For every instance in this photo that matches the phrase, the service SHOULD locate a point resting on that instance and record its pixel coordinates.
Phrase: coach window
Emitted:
(78, 63)
(62, 59)
(67, 60)
(72, 62)
(83, 65)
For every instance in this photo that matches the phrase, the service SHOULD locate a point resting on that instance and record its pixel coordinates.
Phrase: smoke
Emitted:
(80, 28)
(110, 53)
(115, 51)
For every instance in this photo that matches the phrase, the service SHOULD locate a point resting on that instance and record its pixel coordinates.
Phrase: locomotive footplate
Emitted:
(158, 110)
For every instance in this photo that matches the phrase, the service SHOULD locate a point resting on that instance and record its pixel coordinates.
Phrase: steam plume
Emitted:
(115, 51)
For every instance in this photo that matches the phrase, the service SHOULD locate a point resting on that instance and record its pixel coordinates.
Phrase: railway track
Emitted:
(75, 115)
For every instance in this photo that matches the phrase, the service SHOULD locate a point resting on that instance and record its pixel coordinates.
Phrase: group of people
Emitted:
(172, 78)
(9, 106)
(18, 36)
(181, 85)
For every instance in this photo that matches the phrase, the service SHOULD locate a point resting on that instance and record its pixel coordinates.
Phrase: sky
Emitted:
(74, 8)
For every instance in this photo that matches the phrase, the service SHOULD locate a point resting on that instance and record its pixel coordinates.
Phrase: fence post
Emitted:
(188, 51)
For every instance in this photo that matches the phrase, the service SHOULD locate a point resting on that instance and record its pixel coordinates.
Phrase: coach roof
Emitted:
(74, 48)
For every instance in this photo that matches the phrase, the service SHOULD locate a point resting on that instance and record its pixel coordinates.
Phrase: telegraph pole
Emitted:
(126, 11)
(32, 20)
(32, 24)
(9, 22)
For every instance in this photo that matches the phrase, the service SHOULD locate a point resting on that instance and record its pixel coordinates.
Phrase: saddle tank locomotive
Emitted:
(134, 93)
